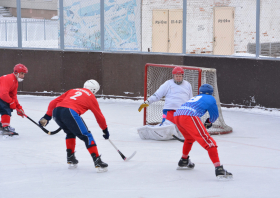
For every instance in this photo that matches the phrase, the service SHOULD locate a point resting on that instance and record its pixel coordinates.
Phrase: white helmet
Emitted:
(92, 85)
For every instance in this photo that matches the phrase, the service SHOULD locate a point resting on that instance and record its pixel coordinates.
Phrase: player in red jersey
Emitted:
(187, 119)
(66, 111)
(8, 98)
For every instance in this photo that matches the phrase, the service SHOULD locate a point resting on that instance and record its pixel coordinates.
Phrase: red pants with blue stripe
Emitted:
(193, 130)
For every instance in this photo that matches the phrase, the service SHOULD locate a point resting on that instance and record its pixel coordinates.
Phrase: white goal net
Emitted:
(157, 74)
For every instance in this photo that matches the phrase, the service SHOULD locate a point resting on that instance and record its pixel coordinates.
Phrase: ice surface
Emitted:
(35, 164)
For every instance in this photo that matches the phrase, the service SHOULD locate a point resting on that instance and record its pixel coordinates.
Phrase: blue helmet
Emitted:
(206, 89)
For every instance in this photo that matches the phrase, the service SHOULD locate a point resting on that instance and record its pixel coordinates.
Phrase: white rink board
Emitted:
(35, 164)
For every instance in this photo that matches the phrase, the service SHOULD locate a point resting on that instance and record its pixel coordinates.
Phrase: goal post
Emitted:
(157, 74)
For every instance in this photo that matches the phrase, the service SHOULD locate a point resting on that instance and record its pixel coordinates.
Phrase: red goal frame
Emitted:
(167, 66)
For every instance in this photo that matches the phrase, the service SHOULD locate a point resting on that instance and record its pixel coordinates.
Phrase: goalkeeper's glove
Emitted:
(207, 124)
(143, 105)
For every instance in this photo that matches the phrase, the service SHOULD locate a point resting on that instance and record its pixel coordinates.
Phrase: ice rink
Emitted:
(34, 166)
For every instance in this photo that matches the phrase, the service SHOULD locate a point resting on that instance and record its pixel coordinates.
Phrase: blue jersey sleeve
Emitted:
(213, 110)
(198, 106)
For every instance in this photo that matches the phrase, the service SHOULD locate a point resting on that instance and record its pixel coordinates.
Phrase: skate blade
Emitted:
(224, 177)
(184, 168)
(101, 170)
(72, 166)
(8, 137)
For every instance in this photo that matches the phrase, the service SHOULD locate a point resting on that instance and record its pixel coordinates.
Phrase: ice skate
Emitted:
(101, 166)
(222, 174)
(9, 133)
(185, 164)
(10, 128)
(71, 159)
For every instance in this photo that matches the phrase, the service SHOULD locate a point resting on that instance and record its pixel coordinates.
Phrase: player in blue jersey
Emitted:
(188, 122)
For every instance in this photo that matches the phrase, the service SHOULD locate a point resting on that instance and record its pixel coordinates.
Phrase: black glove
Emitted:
(207, 124)
(106, 134)
(44, 121)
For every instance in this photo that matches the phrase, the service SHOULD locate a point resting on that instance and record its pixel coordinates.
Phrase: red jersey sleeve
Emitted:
(94, 107)
(6, 94)
(54, 102)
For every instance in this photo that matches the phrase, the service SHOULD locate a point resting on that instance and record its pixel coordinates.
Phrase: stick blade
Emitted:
(127, 159)
(181, 140)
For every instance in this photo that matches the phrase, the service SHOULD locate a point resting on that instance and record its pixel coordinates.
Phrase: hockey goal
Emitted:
(157, 74)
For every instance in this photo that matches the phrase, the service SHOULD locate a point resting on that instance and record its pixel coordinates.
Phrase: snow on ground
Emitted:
(35, 164)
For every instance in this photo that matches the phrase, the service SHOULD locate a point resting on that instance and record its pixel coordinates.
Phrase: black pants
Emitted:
(73, 125)
(5, 108)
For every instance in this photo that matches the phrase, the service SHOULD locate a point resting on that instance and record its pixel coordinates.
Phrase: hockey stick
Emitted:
(124, 158)
(45, 130)
(181, 140)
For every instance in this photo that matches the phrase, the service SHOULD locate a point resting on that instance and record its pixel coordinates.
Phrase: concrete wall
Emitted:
(247, 82)
(54, 71)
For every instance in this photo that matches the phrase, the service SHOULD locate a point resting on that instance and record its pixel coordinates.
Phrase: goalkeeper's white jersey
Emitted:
(175, 95)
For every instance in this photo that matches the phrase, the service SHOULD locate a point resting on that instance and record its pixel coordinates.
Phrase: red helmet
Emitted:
(20, 68)
(178, 70)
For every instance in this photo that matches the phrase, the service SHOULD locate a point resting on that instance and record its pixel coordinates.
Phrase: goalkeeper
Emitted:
(176, 91)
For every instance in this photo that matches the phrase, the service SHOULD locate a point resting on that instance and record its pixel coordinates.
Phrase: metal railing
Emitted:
(236, 28)
(35, 33)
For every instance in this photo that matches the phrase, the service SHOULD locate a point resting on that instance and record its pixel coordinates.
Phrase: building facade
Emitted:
(41, 9)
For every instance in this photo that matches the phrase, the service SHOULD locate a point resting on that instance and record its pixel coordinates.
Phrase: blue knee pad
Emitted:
(83, 129)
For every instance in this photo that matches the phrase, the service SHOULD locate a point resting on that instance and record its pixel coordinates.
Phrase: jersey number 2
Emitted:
(77, 94)
(194, 99)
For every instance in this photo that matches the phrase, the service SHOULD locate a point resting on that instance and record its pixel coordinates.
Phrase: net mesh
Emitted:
(157, 74)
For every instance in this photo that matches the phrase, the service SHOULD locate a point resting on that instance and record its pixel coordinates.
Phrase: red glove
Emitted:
(13, 105)
(20, 112)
